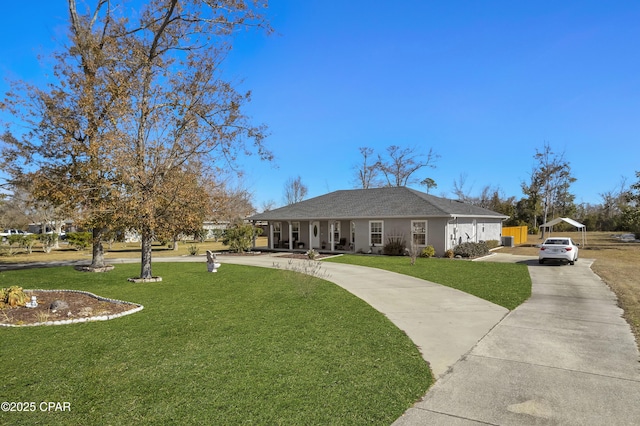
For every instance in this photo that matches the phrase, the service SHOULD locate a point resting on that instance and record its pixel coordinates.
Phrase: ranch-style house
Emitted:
(364, 220)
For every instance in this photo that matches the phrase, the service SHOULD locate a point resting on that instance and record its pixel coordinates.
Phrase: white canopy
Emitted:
(582, 228)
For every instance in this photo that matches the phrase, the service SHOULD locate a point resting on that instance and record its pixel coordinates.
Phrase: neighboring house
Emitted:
(58, 227)
(364, 220)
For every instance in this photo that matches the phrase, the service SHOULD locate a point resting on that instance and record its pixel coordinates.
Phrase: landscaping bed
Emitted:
(63, 307)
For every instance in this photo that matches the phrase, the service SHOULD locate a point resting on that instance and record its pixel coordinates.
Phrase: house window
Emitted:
(419, 232)
(336, 231)
(277, 232)
(295, 231)
(353, 232)
(376, 227)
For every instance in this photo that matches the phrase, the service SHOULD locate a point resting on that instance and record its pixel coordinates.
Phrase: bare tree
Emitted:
(554, 176)
(66, 154)
(231, 203)
(15, 209)
(179, 106)
(459, 188)
(401, 164)
(614, 201)
(141, 95)
(268, 205)
(294, 191)
(367, 171)
(631, 213)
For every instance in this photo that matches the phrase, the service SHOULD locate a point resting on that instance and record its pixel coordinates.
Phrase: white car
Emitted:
(560, 249)
(7, 232)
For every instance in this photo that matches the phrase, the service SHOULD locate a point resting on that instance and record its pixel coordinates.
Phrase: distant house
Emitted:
(364, 220)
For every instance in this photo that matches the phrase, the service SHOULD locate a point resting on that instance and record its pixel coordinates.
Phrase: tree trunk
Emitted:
(97, 259)
(175, 243)
(145, 263)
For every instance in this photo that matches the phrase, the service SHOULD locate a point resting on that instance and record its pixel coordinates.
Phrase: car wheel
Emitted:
(572, 262)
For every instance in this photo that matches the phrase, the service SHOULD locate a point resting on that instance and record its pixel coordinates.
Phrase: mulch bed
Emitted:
(244, 253)
(81, 305)
(303, 256)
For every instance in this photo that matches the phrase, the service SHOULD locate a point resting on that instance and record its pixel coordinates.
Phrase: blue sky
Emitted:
(483, 83)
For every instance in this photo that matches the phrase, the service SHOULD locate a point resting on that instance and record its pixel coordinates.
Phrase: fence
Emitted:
(519, 233)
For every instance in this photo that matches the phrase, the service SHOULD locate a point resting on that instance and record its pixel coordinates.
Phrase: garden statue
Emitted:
(212, 263)
(33, 303)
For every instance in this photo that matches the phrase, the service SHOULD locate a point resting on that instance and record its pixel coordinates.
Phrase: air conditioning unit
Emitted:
(508, 241)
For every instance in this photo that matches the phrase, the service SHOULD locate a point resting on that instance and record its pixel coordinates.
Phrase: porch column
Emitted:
(271, 235)
(332, 235)
(290, 236)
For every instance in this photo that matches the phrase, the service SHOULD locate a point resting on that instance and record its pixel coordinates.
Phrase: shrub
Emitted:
(200, 235)
(13, 296)
(48, 241)
(311, 254)
(413, 253)
(395, 246)
(217, 234)
(449, 254)
(428, 251)
(79, 240)
(471, 249)
(193, 250)
(491, 244)
(240, 237)
(23, 241)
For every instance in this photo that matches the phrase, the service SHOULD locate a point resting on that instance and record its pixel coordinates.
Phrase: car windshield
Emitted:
(558, 242)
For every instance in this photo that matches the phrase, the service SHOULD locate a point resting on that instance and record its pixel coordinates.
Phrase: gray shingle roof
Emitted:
(374, 203)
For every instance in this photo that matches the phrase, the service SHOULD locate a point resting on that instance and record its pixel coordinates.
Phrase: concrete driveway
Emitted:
(564, 357)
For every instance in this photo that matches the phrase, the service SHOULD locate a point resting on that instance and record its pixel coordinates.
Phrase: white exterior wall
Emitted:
(462, 230)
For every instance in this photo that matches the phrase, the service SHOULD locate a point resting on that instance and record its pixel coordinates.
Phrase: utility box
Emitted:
(507, 241)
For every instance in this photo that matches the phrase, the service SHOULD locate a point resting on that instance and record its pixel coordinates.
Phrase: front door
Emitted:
(315, 234)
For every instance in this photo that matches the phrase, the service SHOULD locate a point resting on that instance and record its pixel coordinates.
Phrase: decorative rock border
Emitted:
(138, 308)
(83, 268)
(145, 280)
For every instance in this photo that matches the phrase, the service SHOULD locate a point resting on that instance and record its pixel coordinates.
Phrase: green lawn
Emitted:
(245, 345)
(504, 284)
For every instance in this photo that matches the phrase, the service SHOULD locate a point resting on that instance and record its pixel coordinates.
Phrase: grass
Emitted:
(116, 250)
(504, 284)
(616, 262)
(245, 345)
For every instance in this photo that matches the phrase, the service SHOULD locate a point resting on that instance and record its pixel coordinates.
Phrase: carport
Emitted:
(582, 228)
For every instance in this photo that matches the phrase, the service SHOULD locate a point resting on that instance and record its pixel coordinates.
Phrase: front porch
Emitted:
(267, 249)
(320, 235)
